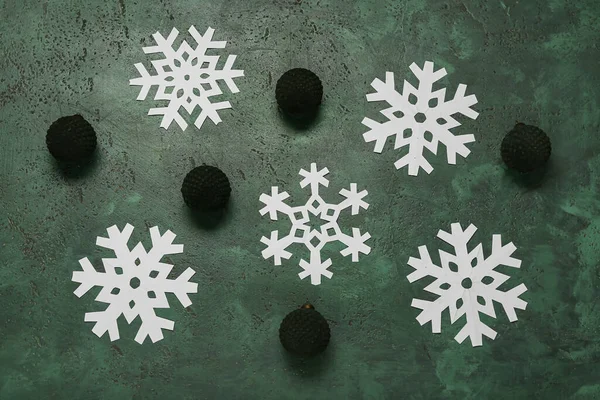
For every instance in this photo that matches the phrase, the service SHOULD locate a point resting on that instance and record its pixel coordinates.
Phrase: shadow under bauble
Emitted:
(309, 366)
(78, 169)
(208, 219)
(301, 121)
(533, 179)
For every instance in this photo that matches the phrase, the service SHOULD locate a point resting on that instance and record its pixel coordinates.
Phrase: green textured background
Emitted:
(534, 61)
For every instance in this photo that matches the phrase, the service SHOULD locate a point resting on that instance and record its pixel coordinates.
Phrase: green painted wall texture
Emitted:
(533, 61)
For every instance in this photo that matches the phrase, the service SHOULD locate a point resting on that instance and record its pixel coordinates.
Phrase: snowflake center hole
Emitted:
(187, 77)
(134, 283)
(314, 223)
(467, 283)
(420, 117)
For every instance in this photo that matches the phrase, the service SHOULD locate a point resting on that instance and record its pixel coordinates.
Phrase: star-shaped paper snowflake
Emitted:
(314, 239)
(134, 284)
(420, 118)
(187, 78)
(467, 284)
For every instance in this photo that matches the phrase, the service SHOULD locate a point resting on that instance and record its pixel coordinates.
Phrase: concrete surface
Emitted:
(534, 61)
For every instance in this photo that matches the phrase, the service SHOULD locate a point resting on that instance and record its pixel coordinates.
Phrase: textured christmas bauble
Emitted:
(206, 188)
(71, 139)
(525, 148)
(299, 92)
(304, 332)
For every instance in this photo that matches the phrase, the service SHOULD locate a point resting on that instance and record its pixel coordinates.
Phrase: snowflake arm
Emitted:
(227, 74)
(354, 199)
(314, 178)
(276, 248)
(355, 244)
(162, 245)
(274, 203)
(315, 268)
(152, 325)
(105, 321)
(460, 104)
(431, 311)
(386, 91)
(474, 328)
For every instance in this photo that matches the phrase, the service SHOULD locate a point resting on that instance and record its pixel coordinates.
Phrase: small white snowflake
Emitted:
(134, 284)
(187, 78)
(469, 278)
(420, 118)
(314, 239)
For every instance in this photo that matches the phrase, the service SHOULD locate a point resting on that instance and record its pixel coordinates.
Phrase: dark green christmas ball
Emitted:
(525, 148)
(299, 93)
(71, 139)
(206, 188)
(304, 332)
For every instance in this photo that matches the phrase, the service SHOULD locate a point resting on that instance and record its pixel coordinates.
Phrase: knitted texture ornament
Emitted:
(304, 332)
(299, 92)
(206, 188)
(71, 139)
(525, 148)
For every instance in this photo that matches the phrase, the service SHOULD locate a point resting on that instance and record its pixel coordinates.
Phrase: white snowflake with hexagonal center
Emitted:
(187, 78)
(301, 230)
(420, 119)
(134, 283)
(467, 284)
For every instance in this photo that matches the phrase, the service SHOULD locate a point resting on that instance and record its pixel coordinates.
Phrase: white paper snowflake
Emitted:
(187, 78)
(314, 239)
(134, 284)
(469, 278)
(420, 118)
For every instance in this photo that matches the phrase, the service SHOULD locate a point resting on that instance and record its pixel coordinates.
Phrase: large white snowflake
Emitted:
(301, 231)
(187, 78)
(134, 284)
(420, 118)
(466, 283)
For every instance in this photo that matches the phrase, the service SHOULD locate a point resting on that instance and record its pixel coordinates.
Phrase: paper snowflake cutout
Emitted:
(469, 278)
(134, 284)
(420, 118)
(314, 239)
(187, 78)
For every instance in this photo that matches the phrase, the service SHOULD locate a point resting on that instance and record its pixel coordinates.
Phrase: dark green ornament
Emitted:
(304, 332)
(525, 148)
(206, 188)
(71, 139)
(299, 93)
